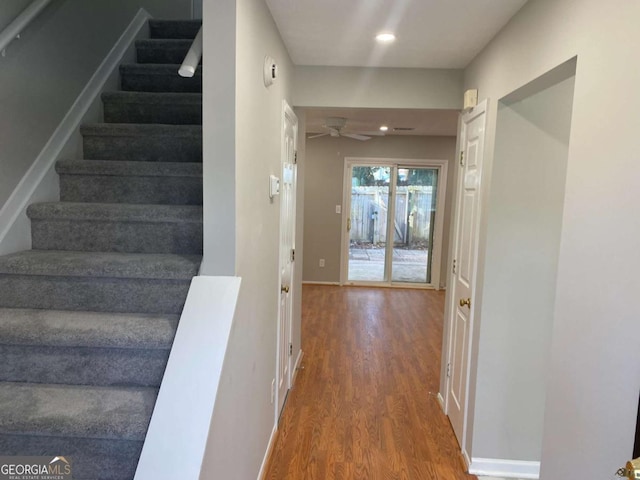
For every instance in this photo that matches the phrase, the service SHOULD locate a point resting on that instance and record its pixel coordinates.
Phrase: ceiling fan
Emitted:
(335, 126)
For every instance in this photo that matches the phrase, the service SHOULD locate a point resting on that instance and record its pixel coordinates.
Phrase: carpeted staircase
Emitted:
(87, 317)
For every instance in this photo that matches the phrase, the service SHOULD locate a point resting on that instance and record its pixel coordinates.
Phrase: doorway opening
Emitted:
(392, 228)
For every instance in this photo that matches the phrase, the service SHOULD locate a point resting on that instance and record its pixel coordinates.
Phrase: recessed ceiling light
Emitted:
(384, 128)
(385, 37)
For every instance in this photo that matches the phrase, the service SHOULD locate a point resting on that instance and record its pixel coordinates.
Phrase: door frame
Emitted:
(441, 195)
(288, 115)
(450, 307)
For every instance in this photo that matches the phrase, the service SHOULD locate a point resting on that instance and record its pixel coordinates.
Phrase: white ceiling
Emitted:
(430, 33)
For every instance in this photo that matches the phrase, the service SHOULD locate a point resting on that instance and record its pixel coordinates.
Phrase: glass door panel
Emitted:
(367, 223)
(415, 208)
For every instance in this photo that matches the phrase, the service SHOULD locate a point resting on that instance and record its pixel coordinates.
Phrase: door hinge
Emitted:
(291, 349)
(461, 158)
(454, 266)
(449, 370)
(295, 157)
(293, 254)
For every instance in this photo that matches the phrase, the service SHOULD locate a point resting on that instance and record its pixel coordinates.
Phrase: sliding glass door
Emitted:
(414, 221)
(367, 222)
(391, 222)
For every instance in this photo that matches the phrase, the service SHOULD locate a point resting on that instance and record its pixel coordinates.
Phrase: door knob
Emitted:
(284, 289)
(348, 224)
(465, 301)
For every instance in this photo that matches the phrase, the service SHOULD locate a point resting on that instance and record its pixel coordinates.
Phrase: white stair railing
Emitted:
(192, 59)
(13, 30)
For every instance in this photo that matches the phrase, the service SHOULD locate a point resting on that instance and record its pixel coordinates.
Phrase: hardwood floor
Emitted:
(361, 407)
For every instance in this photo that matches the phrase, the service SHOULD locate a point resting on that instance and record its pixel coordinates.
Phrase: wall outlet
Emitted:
(273, 391)
(322, 262)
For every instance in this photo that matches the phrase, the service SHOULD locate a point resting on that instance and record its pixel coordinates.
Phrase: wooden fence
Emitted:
(413, 213)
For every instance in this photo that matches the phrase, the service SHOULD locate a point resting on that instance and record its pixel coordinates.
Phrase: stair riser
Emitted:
(160, 83)
(171, 114)
(123, 237)
(143, 148)
(82, 366)
(138, 190)
(91, 459)
(93, 294)
(173, 54)
(174, 29)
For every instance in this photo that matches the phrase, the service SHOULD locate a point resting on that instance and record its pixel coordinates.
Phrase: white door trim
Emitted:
(467, 117)
(288, 116)
(441, 196)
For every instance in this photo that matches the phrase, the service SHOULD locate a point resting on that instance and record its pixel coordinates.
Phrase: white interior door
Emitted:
(287, 253)
(464, 265)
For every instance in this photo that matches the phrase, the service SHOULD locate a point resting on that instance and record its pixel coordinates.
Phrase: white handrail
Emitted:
(13, 30)
(192, 59)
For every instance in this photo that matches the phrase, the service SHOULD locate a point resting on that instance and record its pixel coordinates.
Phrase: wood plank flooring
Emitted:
(361, 407)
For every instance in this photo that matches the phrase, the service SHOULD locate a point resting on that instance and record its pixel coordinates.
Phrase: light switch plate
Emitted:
(338, 208)
(274, 186)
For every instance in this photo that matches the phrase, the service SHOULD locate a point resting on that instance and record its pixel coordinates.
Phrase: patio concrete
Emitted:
(367, 264)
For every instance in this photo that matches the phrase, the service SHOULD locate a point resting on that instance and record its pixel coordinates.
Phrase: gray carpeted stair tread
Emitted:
(133, 367)
(116, 181)
(180, 108)
(153, 50)
(62, 328)
(116, 227)
(142, 142)
(115, 212)
(123, 168)
(152, 77)
(174, 28)
(105, 265)
(75, 411)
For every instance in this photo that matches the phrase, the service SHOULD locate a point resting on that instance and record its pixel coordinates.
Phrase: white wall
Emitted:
(45, 70)
(377, 87)
(244, 416)
(594, 365)
(325, 161)
(524, 215)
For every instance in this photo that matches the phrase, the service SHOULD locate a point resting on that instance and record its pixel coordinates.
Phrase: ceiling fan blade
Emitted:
(375, 133)
(356, 136)
(318, 135)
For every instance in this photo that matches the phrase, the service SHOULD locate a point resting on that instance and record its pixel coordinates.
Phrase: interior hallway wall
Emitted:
(244, 118)
(593, 375)
(325, 159)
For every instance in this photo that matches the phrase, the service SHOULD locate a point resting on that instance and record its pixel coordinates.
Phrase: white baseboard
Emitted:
(441, 401)
(320, 283)
(466, 459)
(494, 467)
(40, 183)
(267, 455)
(296, 367)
